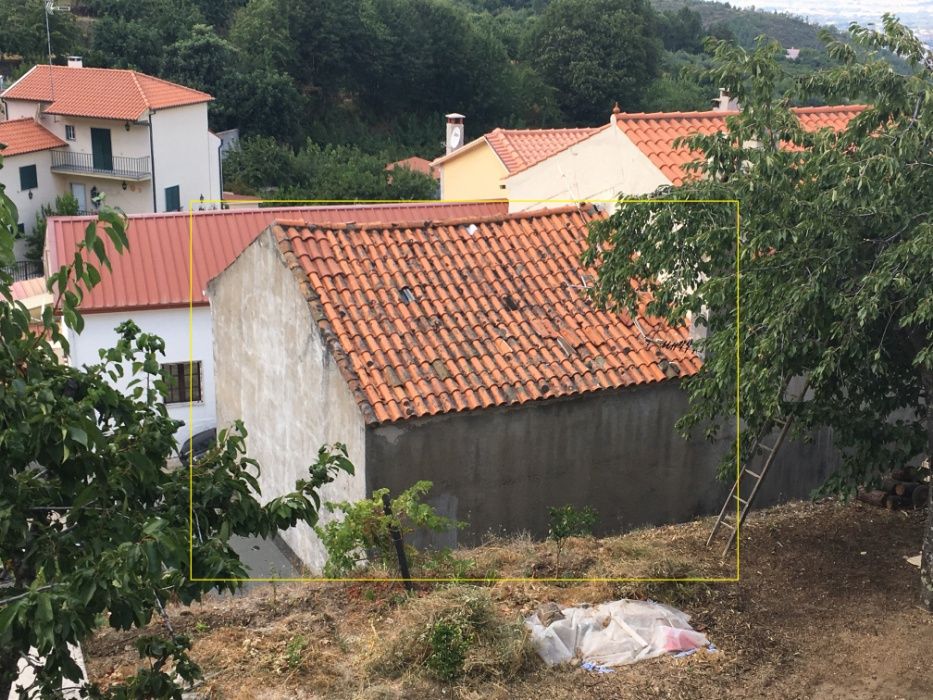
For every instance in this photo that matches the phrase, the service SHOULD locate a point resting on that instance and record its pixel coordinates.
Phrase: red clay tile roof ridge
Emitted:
(328, 336)
(822, 109)
(208, 97)
(425, 223)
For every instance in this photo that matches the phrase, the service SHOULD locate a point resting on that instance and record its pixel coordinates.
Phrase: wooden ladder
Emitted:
(738, 501)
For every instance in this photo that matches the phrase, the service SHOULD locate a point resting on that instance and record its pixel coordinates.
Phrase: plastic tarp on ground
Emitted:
(616, 633)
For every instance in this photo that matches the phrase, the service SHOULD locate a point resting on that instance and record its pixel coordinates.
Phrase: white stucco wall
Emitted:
(182, 154)
(45, 193)
(273, 371)
(600, 167)
(172, 326)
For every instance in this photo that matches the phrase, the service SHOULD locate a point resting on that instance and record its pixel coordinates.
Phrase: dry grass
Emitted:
(826, 607)
(496, 645)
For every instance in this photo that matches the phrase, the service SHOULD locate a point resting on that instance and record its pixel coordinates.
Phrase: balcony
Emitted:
(24, 270)
(101, 165)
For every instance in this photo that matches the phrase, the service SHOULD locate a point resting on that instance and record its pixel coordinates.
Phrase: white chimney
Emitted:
(455, 135)
(724, 103)
(75, 62)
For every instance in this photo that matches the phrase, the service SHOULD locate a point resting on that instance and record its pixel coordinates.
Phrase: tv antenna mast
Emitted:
(49, 9)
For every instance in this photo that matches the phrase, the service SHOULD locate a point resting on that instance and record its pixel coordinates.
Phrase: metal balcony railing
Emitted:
(121, 167)
(24, 270)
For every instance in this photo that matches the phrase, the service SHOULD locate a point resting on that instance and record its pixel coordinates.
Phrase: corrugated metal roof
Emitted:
(154, 272)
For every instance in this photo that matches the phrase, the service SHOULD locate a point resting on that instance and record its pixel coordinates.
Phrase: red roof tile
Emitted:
(473, 313)
(105, 93)
(416, 163)
(519, 149)
(25, 136)
(154, 272)
(654, 134)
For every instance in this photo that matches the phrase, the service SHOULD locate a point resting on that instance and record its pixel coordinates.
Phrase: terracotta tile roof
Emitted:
(416, 163)
(654, 134)
(154, 272)
(519, 149)
(105, 93)
(468, 314)
(25, 136)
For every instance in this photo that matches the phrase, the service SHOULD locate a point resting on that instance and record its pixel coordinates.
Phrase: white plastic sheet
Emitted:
(615, 633)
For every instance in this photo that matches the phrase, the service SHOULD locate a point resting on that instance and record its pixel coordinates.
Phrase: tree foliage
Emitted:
(261, 164)
(92, 521)
(835, 253)
(596, 52)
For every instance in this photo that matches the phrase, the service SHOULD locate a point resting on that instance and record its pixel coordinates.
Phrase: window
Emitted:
(182, 377)
(69, 132)
(28, 177)
(172, 198)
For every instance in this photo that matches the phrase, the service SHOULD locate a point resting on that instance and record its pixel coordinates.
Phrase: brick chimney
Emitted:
(455, 133)
(724, 103)
(75, 62)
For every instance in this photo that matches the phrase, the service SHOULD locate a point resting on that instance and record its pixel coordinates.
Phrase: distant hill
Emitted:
(746, 24)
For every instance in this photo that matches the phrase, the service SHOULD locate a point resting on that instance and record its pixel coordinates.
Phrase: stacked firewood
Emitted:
(904, 488)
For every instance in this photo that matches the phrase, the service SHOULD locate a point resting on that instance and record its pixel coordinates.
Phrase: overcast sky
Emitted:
(916, 14)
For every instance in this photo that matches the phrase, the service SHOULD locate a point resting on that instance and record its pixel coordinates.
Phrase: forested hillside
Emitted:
(375, 77)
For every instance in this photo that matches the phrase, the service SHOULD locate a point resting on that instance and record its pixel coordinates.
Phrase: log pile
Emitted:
(904, 488)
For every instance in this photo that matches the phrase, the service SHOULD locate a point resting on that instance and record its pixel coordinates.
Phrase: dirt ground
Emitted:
(826, 608)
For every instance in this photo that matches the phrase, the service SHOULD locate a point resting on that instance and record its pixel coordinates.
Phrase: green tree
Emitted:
(263, 166)
(595, 53)
(92, 522)
(681, 30)
(22, 31)
(201, 60)
(260, 30)
(65, 205)
(835, 254)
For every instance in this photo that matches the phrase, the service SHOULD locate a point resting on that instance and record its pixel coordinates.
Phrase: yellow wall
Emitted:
(475, 173)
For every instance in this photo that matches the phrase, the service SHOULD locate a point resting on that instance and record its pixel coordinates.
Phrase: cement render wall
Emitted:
(272, 371)
(617, 451)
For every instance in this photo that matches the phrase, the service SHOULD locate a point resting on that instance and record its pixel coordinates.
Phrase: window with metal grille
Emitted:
(184, 381)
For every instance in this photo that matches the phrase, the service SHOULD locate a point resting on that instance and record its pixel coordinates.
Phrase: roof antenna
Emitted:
(49, 9)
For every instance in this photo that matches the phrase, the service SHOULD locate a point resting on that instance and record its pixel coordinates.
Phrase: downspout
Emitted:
(220, 168)
(155, 205)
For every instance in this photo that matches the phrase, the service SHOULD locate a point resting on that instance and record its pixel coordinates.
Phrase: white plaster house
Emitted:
(149, 283)
(140, 141)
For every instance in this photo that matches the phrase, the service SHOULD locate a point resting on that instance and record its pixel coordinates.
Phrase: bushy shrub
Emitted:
(364, 532)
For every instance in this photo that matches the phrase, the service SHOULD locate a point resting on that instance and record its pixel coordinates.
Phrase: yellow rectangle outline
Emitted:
(321, 579)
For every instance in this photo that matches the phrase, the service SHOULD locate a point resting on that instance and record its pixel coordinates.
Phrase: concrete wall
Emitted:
(273, 371)
(617, 451)
(600, 167)
(172, 326)
(182, 154)
(474, 174)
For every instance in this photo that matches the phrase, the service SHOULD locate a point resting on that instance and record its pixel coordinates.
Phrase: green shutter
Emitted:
(172, 198)
(28, 177)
